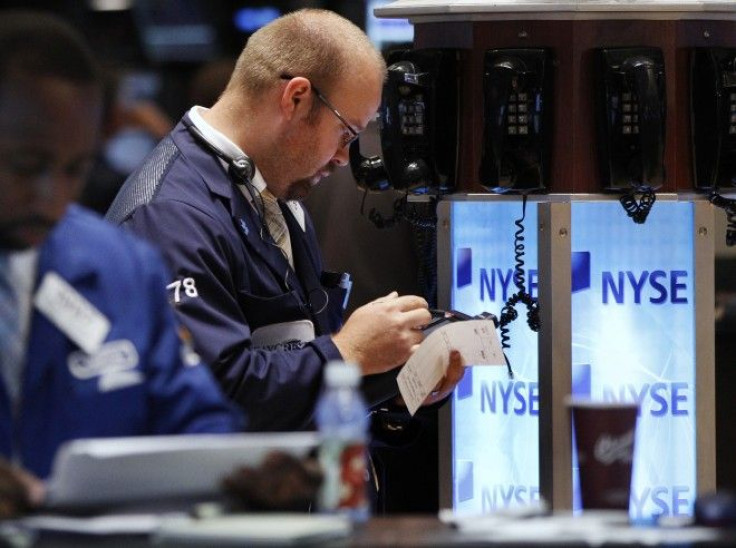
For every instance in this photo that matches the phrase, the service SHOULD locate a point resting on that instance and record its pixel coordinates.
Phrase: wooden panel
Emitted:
(574, 165)
(444, 35)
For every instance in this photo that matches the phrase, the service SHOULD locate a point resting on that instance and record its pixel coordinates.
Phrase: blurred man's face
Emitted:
(48, 136)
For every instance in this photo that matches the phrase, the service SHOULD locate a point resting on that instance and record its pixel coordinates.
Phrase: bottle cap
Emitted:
(342, 374)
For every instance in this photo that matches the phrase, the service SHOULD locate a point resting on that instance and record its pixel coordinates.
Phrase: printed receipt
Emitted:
(476, 340)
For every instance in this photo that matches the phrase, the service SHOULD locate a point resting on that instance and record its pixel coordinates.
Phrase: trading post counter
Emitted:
(557, 530)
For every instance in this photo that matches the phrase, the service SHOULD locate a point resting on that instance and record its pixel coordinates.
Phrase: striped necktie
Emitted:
(11, 343)
(276, 224)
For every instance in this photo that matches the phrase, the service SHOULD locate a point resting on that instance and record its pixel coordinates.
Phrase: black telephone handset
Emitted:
(631, 118)
(713, 127)
(631, 114)
(369, 172)
(418, 123)
(651, 119)
(517, 111)
(713, 117)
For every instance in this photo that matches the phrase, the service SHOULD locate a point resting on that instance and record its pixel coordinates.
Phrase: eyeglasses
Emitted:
(347, 139)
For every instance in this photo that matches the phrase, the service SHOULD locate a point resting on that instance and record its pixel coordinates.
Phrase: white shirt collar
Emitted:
(231, 149)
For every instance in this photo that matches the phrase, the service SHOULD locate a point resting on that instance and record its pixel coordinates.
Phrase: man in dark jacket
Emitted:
(220, 196)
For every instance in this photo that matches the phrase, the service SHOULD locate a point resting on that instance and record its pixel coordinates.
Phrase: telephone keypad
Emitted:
(411, 112)
(630, 101)
(516, 148)
(630, 108)
(517, 118)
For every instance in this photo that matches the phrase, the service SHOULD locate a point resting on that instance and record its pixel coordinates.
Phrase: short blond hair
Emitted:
(313, 43)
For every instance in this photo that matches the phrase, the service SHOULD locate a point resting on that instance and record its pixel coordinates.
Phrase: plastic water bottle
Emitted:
(342, 421)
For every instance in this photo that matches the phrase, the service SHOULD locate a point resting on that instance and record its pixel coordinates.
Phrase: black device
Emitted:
(240, 168)
(630, 119)
(631, 110)
(517, 117)
(443, 317)
(713, 127)
(418, 124)
(713, 117)
(716, 509)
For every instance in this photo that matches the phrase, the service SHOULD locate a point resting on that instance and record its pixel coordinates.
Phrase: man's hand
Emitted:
(453, 375)
(382, 334)
(20, 492)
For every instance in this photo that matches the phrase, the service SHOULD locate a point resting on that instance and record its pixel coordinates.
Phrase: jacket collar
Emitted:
(73, 271)
(245, 218)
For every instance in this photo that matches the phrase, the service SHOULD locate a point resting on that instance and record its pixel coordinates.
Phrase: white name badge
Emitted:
(71, 313)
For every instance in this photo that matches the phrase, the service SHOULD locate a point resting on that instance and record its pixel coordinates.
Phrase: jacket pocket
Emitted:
(260, 310)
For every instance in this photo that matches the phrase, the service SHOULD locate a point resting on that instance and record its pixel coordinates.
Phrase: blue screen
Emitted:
(633, 316)
(249, 20)
(384, 32)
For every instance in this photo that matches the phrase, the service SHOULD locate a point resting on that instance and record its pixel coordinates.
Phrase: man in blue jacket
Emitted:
(89, 344)
(220, 197)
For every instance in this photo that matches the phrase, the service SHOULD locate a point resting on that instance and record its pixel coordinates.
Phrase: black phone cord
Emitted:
(508, 312)
(639, 211)
(729, 206)
(403, 211)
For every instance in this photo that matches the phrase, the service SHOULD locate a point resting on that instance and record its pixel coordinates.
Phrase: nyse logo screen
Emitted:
(633, 340)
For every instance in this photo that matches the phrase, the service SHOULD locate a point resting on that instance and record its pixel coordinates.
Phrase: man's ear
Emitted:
(297, 95)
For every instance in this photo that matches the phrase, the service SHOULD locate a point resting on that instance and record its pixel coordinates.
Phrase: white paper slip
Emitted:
(71, 313)
(476, 340)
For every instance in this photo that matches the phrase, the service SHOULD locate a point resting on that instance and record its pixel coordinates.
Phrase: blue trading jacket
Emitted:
(142, 380)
